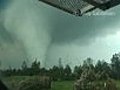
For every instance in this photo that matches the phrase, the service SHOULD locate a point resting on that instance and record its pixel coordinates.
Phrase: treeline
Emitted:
(101, 68)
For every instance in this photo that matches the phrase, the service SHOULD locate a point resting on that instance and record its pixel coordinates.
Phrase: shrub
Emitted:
(35, 83)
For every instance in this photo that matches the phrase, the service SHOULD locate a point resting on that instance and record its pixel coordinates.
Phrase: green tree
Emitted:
(115, 64)
(55, 73)
(24, 65)
(88, 63)
(35, 67)
(24, 70)
(67, 72)
(77, 71)
(106, 68)
(98, 66)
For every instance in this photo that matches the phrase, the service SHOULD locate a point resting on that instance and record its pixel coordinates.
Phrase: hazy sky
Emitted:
(30, 29)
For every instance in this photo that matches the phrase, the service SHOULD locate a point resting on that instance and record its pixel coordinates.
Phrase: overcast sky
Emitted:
(30, 29)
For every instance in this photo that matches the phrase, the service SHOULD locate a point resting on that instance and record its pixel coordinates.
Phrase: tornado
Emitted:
(24, 19)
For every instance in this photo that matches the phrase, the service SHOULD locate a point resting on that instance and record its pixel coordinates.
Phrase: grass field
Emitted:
(59, 85)
(68, 85)
(63, 85)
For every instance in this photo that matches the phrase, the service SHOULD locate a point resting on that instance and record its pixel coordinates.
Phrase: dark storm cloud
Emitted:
(3, 4)
(11, 50)
(5, 35)
(32, 23)
(69, 28)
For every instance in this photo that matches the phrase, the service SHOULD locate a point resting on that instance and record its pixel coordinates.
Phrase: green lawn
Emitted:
(62, 85)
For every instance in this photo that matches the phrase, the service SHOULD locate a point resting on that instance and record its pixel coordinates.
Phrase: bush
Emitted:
(35, 83)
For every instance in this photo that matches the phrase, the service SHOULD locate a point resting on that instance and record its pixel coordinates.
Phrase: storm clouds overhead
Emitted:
(30, 29)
